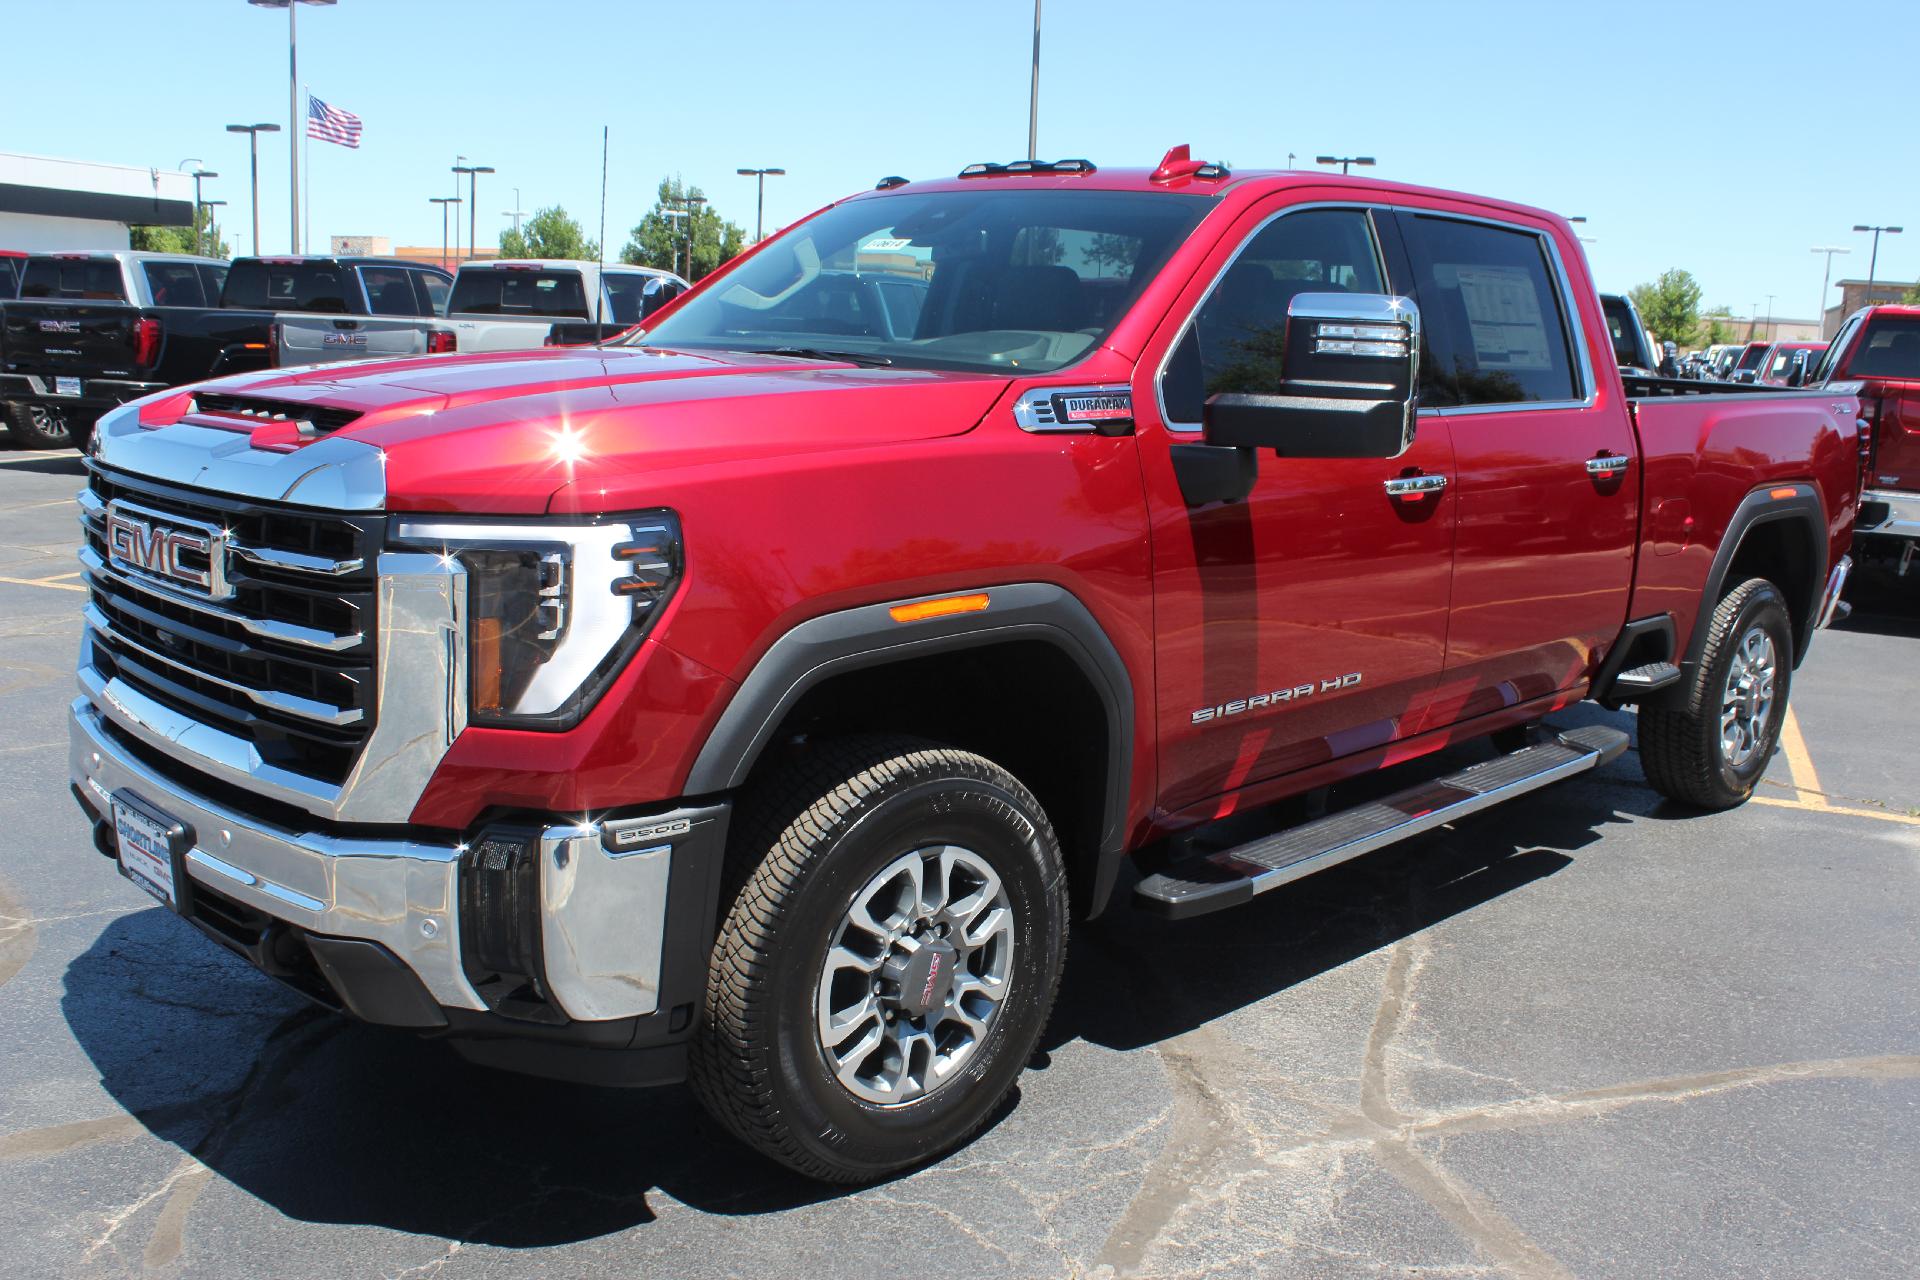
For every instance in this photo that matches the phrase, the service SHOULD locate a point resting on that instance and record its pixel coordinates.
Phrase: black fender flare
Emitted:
(1758, 508)
(868, 636)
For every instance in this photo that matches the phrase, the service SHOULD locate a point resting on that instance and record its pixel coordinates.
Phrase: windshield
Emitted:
(993, 279)
(1752, 356)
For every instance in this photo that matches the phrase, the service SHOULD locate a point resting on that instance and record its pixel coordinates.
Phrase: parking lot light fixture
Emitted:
(473, 172)
(199, 174)
(445, 203)
(253, 132)
(760, 203)
(1874, 262)
(293, 101)
(1826, 277)
(1345, 162)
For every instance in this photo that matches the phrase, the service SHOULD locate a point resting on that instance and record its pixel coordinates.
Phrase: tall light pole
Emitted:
(1345, 162)
(473, 172)
(253, 132)
(209, 206)
(198, 203)
(444, 202)
(516, 213)
(1033, 92)
(293, 102)
(1826, 276)
(688, 203)
(1769, 317)
(674, 213)
(1874, 262)
(760, 204)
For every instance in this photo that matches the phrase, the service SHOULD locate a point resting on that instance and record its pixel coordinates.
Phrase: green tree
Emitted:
(661, 241)
(1912, 297)
(550, 233)
(1718, 324)
(1670, 306)
(181, 239)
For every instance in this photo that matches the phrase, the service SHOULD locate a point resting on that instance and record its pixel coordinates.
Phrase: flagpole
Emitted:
(306, 146)
(293, 117)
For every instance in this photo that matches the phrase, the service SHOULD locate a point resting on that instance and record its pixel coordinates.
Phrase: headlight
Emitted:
(555, 609)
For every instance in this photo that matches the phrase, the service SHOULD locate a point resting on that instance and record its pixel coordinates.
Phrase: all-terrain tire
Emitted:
(1681, 745)
(809, 840)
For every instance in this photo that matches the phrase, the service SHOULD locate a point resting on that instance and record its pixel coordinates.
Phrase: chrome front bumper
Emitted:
(1902, 518)
(602, 912)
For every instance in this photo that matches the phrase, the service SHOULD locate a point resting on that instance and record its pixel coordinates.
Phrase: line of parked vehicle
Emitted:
(83, 332)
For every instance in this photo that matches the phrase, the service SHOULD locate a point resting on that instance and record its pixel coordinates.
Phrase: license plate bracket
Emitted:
(66, 386)
(151, 849)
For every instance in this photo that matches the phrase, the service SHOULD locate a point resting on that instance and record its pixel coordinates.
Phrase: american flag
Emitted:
(331, 124)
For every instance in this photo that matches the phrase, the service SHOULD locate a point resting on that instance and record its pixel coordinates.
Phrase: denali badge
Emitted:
(185, 553)
(1261, 701)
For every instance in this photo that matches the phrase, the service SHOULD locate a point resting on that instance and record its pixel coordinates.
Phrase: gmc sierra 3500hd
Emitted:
(754, 700)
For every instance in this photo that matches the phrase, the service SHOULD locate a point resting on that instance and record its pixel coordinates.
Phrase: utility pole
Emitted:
(199, 204)
(1825, 277)
(1769, 317)
(516, 213)
(209, 206)
(1033, 93)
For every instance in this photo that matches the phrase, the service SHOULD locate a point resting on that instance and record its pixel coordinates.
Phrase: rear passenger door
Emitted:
(1548, 479)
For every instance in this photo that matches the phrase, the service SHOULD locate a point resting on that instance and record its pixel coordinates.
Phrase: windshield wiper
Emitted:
(866, 359)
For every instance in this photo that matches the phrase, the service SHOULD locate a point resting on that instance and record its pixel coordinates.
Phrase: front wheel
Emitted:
(1708, 746)
(889, 961)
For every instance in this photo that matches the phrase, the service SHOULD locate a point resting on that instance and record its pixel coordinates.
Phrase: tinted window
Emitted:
(213, 280)
(1017, 280)
(287, 286)
(9, 277)
(1624, 330)
(88, 279)
(1237, 338)
(1752, 356)
(627, 294)
(435, 287)
(1495, 329)
(174, 284)
(507, 291)
(389, 291)
(1891, 349)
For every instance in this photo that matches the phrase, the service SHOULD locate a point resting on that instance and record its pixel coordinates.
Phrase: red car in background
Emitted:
(1879, 348)
(1786, 364)
(1747, 367)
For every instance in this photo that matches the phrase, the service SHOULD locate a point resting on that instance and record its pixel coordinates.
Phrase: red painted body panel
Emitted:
(1893, 407)
(805, 487)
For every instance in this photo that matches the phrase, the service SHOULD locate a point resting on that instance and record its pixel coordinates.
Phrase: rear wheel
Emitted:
(889, 961)
(41, 426)
(1708, 745)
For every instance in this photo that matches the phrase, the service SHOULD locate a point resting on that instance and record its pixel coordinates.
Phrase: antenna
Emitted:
(601, 292)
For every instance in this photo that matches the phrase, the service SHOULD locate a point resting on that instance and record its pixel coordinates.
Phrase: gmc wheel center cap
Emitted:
(923, 977)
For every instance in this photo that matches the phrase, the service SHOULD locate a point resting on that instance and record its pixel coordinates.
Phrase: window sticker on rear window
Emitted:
(1503, 315)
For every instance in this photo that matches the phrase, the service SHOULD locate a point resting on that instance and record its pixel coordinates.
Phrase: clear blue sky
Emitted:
(1727, 138)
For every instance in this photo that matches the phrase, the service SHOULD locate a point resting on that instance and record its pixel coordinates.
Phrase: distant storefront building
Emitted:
(1854, 295)
(49, 205)
(383, 247)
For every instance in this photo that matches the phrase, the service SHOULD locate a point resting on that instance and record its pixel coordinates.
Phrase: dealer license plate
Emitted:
(145, 853)
(66, 386)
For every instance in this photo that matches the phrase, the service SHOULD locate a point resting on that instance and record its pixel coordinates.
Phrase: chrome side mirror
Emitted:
(1350, 367)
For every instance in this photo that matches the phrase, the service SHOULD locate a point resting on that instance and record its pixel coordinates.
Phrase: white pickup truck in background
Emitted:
(513, 305)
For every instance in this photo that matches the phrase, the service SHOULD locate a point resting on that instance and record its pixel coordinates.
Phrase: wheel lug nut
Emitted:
(877, 988)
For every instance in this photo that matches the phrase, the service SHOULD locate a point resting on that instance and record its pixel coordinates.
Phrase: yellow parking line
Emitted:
(1800, 765)
(1884, 815)
(52, 582)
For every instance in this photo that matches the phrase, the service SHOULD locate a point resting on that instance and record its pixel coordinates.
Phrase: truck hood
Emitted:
(502, 433)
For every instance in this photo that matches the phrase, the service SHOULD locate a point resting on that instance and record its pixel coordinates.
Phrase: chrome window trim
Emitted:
(1160, 374)
(1584, 378)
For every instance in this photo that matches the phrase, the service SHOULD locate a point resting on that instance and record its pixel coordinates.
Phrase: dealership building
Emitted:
(51, 205)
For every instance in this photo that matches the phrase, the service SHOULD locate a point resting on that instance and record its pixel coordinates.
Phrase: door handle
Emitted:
(1415, 486)
(1606, 466)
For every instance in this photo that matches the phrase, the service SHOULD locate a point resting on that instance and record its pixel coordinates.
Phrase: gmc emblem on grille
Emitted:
(180, 552)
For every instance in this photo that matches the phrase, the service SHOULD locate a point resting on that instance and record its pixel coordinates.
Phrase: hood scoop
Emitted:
(309, 420)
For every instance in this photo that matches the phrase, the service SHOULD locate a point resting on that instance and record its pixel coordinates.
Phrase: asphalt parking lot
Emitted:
(1584, 1035)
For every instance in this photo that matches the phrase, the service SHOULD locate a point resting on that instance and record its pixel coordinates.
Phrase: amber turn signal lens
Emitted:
(486, 665)
(1782, 493)
(944, 607)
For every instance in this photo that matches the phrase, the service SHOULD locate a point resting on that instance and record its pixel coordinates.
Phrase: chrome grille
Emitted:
(284, 661)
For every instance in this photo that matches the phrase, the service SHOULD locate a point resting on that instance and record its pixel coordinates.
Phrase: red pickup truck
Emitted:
(755, 701)
(1877, 353)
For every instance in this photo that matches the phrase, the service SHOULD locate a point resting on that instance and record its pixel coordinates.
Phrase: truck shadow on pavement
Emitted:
(330, 1121)
(68, 464)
